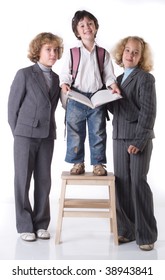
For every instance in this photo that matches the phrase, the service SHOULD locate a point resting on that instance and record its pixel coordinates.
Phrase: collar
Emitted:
(80, 44)
(44, 68)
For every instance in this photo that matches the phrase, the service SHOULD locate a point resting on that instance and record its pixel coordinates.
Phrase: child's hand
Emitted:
(133, 150)
(115, 88)
(65, 88)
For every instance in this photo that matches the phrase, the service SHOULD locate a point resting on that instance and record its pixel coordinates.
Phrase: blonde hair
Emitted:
(42, 39)
(145, 63)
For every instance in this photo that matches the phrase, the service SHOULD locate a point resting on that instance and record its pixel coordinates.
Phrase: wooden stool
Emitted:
(108, 204)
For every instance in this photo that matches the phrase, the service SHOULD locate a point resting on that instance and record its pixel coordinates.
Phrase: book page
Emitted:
(104, 96)
(99, 98)
(80, 98)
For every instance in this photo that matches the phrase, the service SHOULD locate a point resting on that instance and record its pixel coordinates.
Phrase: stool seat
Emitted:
(109, 204)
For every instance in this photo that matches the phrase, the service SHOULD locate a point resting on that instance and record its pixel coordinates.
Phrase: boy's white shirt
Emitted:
(88, 77)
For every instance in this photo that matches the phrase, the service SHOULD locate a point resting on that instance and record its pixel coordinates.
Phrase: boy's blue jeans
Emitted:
(78, 117)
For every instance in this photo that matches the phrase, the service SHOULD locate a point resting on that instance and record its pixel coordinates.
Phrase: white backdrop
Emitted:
(21, 20)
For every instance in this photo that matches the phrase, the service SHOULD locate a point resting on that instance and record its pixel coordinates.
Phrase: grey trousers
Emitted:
(32, 157)
(135, 211)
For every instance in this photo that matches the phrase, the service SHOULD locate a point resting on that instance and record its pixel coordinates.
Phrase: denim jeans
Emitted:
(78, 118)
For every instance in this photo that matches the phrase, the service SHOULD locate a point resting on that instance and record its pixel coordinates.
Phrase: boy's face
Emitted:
(132, 53)
(86, 29)
(48, 55)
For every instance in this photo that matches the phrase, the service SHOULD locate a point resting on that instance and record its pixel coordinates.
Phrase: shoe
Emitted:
(99, 170)
(147, 247)
(28, 236)
(43, 234)
(123, 239)
(77, 169)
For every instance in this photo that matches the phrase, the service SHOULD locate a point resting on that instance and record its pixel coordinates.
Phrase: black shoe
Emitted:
(123, 239)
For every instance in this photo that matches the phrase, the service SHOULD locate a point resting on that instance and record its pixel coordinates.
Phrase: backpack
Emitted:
(75, 59)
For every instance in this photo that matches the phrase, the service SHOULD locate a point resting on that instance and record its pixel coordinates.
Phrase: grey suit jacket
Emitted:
(134, 115)
(31, 106)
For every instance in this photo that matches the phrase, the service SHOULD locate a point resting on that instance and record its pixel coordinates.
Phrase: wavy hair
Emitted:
(42, 39)
(145, 63)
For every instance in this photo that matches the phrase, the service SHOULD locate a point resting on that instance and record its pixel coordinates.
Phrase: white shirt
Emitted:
(88, 77)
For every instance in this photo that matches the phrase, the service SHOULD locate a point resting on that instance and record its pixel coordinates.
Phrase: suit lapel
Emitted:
(129, 78)
(55, 85)
(52, 88)
(39, 77)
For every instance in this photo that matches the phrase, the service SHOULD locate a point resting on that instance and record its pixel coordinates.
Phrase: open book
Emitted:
(99, 98)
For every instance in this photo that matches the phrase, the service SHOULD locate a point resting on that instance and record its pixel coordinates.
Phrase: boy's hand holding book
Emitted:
(115, 89)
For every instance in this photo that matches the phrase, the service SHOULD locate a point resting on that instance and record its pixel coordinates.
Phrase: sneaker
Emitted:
(77, 169)
(43, 234)
(99, 170)
(146, 247)
(28, 236)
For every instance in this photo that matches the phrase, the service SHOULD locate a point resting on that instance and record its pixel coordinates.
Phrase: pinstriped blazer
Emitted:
(134, 115)
(31, 106)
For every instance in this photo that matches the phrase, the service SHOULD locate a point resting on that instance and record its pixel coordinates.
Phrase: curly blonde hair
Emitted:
(145, 63)
(42, 39)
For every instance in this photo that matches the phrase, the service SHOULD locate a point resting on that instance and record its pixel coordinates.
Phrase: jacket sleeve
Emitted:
(16, 96)
(147, 113)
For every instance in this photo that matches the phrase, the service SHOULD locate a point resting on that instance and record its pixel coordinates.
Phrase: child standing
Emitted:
(133, 123)
(33, 99)
(88, 81)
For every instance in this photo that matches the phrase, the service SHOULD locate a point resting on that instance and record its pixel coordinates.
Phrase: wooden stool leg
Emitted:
(113, 208)
(60, 215)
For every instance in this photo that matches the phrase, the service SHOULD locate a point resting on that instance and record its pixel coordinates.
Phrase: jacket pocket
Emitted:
(28, 121)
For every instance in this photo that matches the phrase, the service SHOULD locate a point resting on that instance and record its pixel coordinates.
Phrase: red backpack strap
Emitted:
(75, 60)
(100, 52)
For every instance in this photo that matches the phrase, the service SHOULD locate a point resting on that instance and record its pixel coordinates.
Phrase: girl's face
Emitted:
(86, 29)
(48, 55)
(132, 53)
